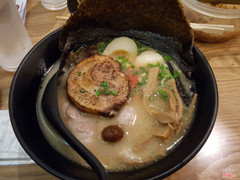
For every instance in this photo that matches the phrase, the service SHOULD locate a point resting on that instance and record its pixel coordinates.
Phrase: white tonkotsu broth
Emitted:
(154, 119)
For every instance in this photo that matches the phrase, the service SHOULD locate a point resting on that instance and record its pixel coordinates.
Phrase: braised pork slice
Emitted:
(98, 86)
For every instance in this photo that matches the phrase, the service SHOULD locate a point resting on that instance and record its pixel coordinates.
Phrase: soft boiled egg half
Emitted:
(149, 57)
(122, 46)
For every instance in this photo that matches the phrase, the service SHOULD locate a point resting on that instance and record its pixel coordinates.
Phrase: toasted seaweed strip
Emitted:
(164, 17)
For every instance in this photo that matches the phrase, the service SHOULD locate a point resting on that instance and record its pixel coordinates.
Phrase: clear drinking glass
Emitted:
(14, 39)
(54, 4)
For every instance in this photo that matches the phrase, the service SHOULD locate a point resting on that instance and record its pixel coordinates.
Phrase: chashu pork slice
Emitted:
(88, 77)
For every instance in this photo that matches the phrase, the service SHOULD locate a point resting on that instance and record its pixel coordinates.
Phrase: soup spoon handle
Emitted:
(50, 108)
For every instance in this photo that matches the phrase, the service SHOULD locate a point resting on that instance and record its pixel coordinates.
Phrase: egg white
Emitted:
(149, 57)
(122, 46)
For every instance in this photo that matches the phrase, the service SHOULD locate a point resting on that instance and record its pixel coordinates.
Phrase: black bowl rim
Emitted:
(11, 113)
(59, 174)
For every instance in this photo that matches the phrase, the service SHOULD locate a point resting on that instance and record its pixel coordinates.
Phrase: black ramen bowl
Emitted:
(22, 107)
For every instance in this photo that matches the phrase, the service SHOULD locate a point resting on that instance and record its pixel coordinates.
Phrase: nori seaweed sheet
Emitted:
(164, 17)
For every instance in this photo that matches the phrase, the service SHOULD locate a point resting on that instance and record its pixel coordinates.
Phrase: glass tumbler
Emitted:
(54, 4)
(14, 40)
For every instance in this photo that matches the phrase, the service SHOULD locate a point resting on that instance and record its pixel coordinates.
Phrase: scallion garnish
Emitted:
(114, 92)
(135, 73)
(167, 58)
(175, 74)
(99, 91)
(164, 95)
(161, 67)
(79, 73)
(141, 48)
(161, 75)
(107, 92)
(150, 65)
(125, 64)
(105, 85)
(121, 59)
(82, 91)
(101, 47)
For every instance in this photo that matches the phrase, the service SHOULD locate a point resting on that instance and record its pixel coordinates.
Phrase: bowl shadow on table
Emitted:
(25, 123)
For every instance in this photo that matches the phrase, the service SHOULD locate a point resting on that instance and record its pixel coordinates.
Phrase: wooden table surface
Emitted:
(220, 156)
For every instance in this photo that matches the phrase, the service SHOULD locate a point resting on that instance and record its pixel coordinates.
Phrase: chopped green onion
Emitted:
(144, 82)
(120, 59)
(141, 48)
(107, 92)
(135, 73)
(161, 66)
(157, 64)
(150, 65)
(82, 91)
(168, 78)
(161, 75)
(101, 47)
(175, 74)
(167, 58)
(99, 91)
(125, 64)
(114, 92)
(79, 73)
(163, 94)
(164, 73)
(105, 85)
(165, 98)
